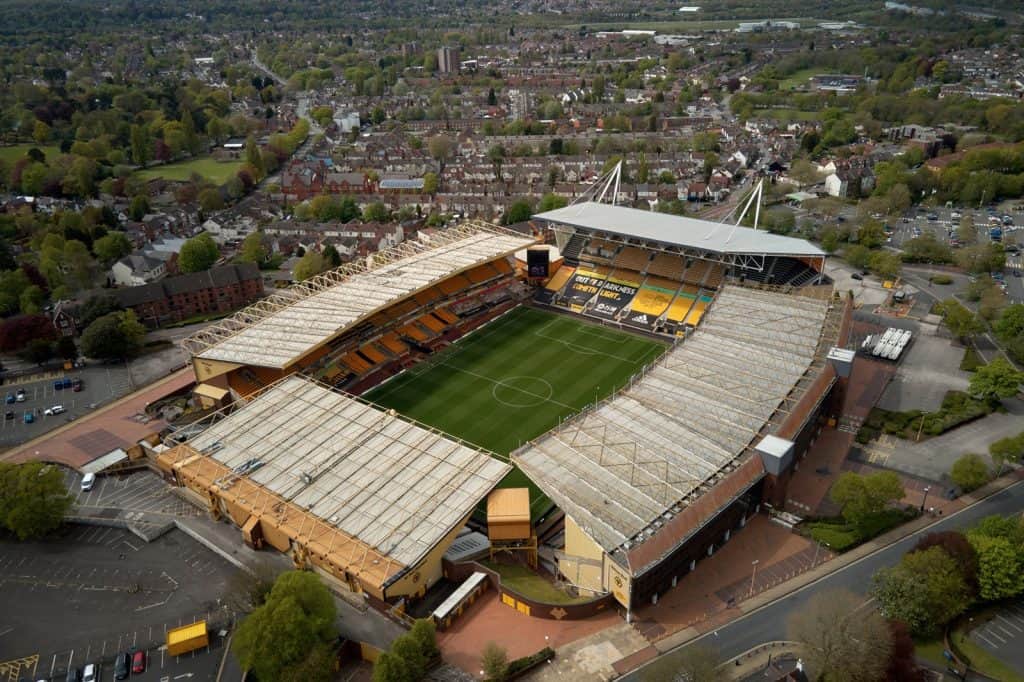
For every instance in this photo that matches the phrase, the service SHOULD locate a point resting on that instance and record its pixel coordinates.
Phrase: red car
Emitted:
(138, 662)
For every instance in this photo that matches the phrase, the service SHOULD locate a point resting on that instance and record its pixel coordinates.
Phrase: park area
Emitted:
(15, 152)
(516, 379)
(217, 172)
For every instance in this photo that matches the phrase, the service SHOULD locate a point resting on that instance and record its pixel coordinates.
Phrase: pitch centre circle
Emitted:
(522, 391)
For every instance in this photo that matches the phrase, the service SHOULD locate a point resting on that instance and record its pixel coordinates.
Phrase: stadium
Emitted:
(651, 379)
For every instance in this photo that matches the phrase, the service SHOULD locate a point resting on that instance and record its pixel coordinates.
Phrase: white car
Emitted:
(56, 409)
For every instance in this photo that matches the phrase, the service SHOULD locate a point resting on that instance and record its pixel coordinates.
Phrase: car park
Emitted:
(51, 411)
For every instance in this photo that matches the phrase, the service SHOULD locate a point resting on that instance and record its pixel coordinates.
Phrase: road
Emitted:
(768, 624)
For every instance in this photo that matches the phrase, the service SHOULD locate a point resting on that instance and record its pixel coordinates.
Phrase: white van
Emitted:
(91, 672)
(88, 481)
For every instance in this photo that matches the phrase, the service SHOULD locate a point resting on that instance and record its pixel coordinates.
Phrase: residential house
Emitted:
(137, 269)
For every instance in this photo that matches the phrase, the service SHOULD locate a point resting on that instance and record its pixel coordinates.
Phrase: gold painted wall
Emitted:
(207, 369)
(428, 572)
(578, 543)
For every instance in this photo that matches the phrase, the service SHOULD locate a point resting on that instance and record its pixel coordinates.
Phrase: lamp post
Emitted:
(753, 573)
(925, 498)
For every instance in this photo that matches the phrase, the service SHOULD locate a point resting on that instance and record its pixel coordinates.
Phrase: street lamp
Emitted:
(925, 498)
(753, 572)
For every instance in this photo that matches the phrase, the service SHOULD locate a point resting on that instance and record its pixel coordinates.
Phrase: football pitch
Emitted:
(515, 378)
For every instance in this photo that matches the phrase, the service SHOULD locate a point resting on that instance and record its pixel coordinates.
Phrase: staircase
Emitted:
(572, 250)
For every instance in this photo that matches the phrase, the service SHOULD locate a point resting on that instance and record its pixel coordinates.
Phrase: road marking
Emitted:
(986, 640)
(988, 631)
(1010, 623)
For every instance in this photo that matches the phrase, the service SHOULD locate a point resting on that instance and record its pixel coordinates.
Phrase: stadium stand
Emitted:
(667, 265)
(360, 493)
(632, 258)
(643, 473)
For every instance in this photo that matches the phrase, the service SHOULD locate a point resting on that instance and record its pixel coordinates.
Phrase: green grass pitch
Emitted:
(515, 378)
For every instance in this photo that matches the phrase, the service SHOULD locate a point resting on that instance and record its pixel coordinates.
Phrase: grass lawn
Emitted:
(15, 152)
(972, 360)
(514, 379)
(682, 25)
(801, 78)
(215, 171)
(529, 584)
(783, 114)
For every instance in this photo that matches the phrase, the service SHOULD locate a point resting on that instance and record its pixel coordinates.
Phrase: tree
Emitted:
(430, 183)
(210, 199)
(959, 549)
(409, 655)
(843, 642)
(114, 336)
(885, 264)
(804, 172)
(550, 202)
(111, 247)
(1000, 566)
(37, 351)
(312, 263)
(254, 158)
(96, 307)
(967, 233)
(17, 332)
(861, 496)
(496, 155)
(925, 590)
(494, 662)
(331, 256)
(142, 145)
(198, 253)
(31, 299)
(440, 148)
(1011, 322)
(902, 663)
(138, 207)
(519, 211)
(970, 472)
(376, 213)
(66, 348)
(33, 498)
(297, 618)
(252, 249)
(1007, 450)
(998, 379)
(961, 322)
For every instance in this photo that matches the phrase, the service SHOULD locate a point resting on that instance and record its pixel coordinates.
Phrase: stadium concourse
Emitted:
(642, 451)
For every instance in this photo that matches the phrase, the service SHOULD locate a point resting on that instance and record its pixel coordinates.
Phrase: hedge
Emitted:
(957, 408)
(521, 666)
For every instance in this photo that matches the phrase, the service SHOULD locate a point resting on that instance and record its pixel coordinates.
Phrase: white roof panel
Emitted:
(678, 230)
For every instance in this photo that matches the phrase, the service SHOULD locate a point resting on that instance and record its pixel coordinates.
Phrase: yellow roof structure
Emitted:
(212, 392)
(508, 505)
(186, 632)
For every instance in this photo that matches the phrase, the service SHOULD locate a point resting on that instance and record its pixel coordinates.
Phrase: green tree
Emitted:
(518, 212)
(1007, 450)
(142, 145)
(494, 662)
(116, 335)
(138, 207)
(998, 379)
(409, 656)
(33, 498)
(925, 590)
(1000, 566)
(198, 253)
(440, 148)
(430, 183)
(961, 322)
(252, 249)
(1010, 324)
(376, 213)
(861, 496)
(496, 155)
(31, 299)
(111, 247)
(843, 642)
(871, 234)
(312, 263)
(66, 348)
(297, 618)
(332, 256)
(970, 472)
(254, 158)
(210, 199)
(96, 307)
(550, 202)
(188, 129)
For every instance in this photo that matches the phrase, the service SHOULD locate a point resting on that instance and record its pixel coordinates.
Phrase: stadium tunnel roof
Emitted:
(676, 230)
(279, 330)
(375, 490)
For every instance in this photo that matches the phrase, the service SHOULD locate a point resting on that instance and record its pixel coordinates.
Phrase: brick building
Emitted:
(218, 290)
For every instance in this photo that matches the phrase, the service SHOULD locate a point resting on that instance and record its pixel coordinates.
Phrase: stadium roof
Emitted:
(277, 331)
(395, 487)
(678, 230)
(623, 468)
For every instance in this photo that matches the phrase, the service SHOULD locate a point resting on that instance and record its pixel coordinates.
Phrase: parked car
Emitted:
(76, 384)
(28, 417)
(90, 673)
(857, 275)
(56, 409)
(58, 385)
(88, 481)
(10, 398)
(9, 414)
(74, 675)
(122, 664)
(20, 395)
(138, 662)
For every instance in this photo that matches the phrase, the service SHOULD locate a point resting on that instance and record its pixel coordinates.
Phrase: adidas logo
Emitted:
(642, 319)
